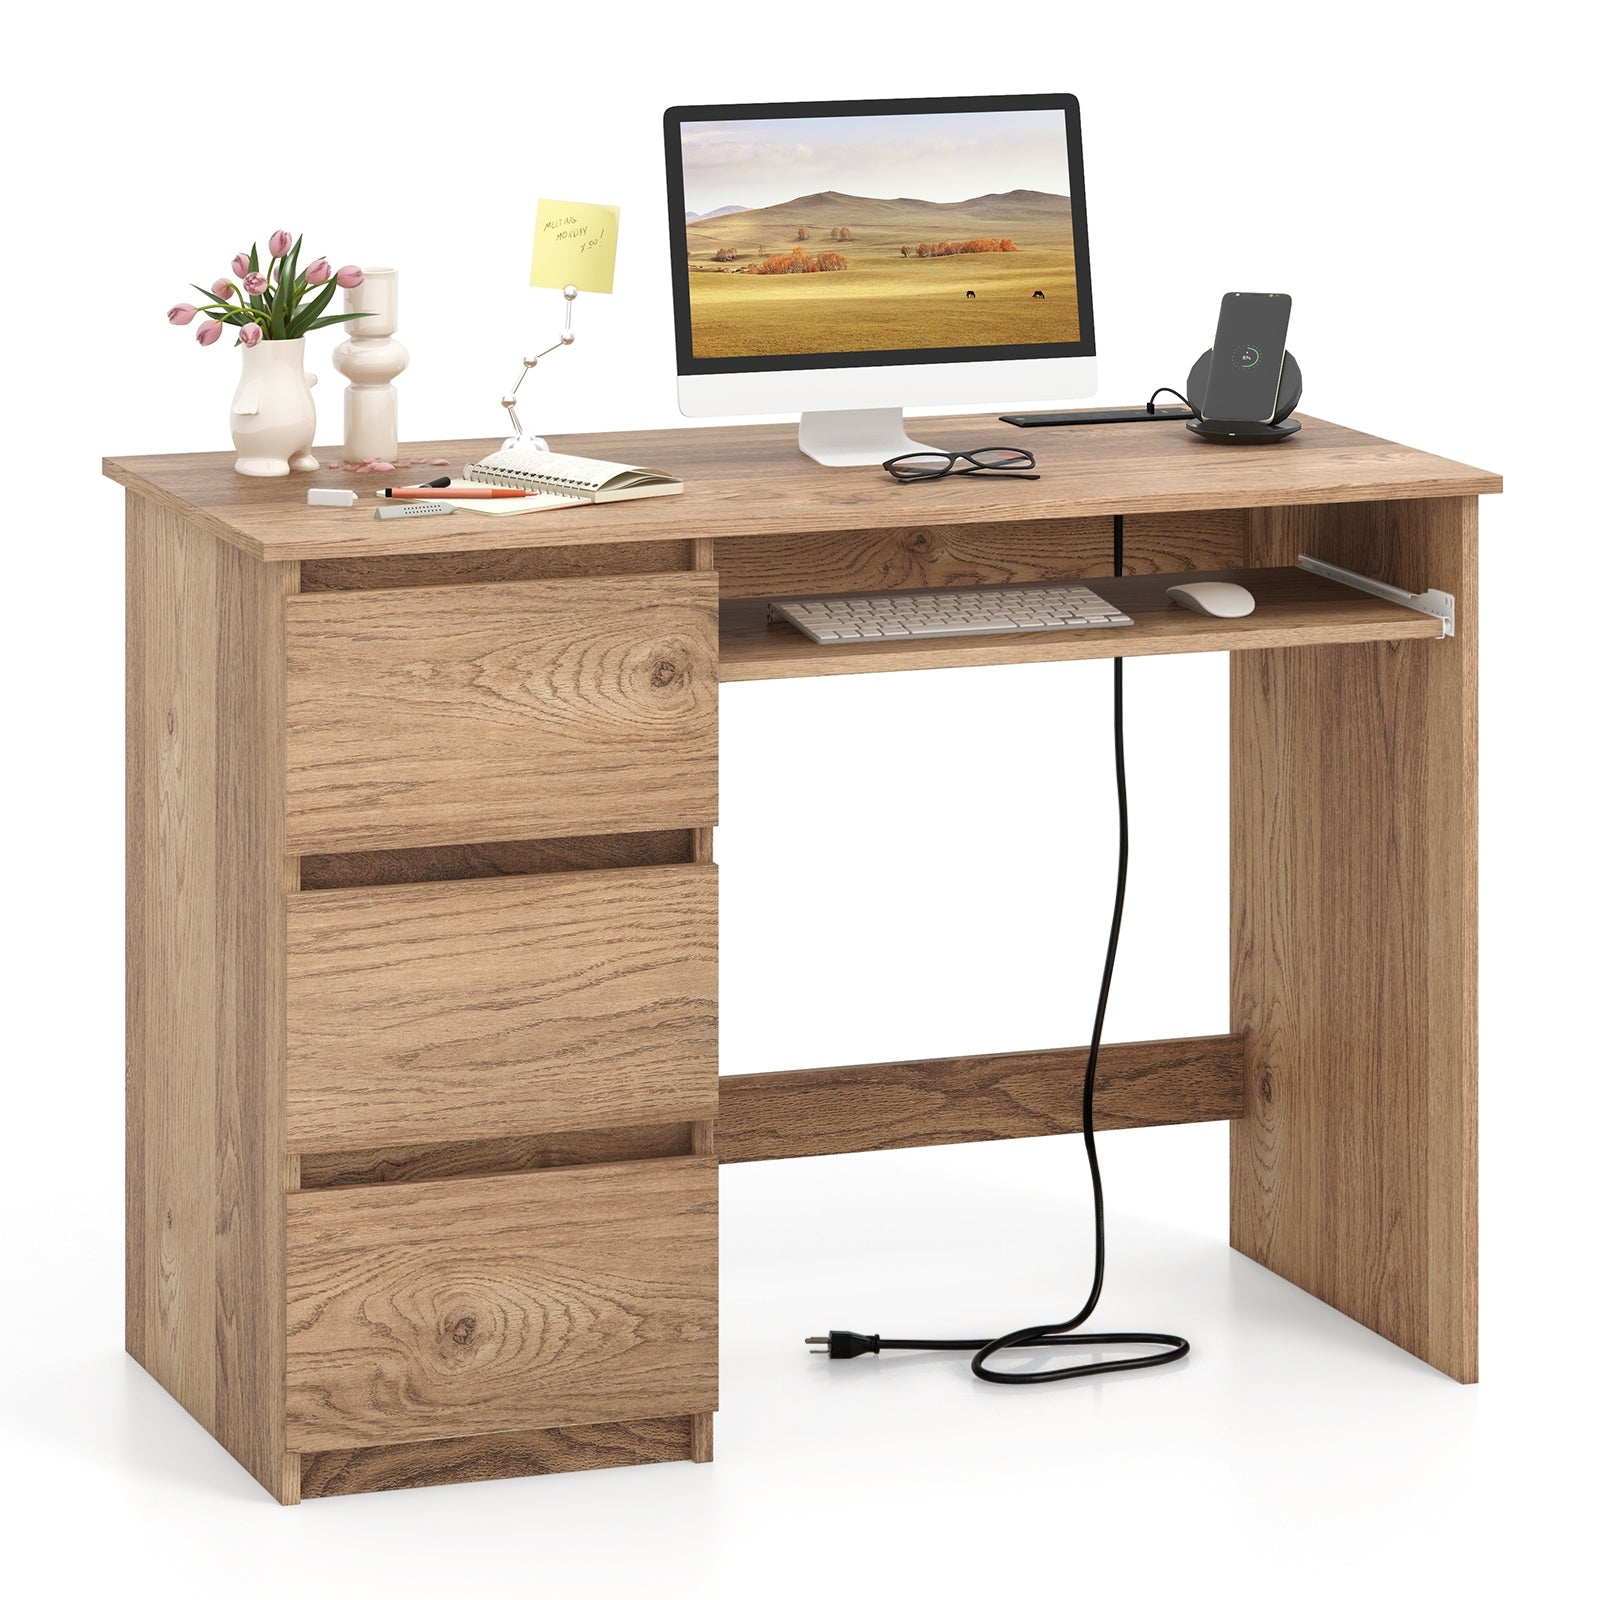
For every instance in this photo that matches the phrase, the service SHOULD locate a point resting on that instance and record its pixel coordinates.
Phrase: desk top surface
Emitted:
(750, 481)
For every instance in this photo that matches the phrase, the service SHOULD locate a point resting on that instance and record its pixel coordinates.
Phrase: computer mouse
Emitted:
(1214, 599)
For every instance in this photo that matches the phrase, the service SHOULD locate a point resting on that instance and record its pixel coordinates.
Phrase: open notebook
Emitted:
(561, 480)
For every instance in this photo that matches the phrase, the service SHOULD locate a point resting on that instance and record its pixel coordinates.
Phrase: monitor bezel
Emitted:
(690, 364)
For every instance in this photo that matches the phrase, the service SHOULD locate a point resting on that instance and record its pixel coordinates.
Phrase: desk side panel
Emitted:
(205, 964)
(1355, 941)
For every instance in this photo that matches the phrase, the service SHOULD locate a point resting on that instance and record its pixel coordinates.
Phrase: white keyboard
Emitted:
(948, 613)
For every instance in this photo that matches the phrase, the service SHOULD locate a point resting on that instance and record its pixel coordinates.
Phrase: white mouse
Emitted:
(1214, 599)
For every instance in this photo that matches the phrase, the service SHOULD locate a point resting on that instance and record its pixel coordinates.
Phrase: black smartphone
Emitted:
(1247, 358)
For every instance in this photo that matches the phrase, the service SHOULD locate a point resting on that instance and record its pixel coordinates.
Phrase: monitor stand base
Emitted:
(855, 438)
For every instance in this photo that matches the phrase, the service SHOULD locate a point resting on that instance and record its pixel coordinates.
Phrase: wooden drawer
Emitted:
(501, 1006)
(501, 711)
(542, 1300)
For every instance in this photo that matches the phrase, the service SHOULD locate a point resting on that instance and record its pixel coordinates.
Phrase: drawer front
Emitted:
(543, 1300)
(478, 712)
(501, 1006)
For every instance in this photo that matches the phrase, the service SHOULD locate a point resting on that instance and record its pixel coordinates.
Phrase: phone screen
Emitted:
(1247, 358)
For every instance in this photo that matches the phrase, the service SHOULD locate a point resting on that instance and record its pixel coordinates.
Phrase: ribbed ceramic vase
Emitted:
(274, 418)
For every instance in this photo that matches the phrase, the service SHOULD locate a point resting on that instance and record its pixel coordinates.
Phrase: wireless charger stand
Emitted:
(1215, 431)
(1219, 430)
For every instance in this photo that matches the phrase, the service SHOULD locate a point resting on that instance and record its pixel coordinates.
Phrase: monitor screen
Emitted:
(848, 234)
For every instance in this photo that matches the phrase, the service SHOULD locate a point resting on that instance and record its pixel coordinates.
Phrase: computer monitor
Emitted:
(845, 259)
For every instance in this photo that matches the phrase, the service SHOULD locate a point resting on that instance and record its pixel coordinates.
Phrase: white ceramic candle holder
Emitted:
(371, 358)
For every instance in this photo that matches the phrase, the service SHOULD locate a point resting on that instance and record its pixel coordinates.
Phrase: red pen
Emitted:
(465, 491)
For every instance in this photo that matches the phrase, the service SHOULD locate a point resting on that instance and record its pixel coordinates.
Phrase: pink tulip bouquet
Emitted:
(281, 302)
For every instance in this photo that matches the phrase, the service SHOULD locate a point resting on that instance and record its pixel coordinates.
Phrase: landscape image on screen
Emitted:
(834, 234)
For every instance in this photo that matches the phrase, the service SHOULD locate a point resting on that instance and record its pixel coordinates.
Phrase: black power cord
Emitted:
(1150, 404)
(841, 1345)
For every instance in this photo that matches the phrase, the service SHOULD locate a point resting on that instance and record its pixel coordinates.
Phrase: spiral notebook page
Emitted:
(524, 467)
(543, 501)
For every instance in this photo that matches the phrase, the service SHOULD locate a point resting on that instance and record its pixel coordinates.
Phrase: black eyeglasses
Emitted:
(923, 466)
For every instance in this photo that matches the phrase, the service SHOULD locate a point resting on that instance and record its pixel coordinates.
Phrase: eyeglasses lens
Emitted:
(929, 466)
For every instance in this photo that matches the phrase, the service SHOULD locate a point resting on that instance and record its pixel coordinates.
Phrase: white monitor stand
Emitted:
(851, 416)
(855, 438)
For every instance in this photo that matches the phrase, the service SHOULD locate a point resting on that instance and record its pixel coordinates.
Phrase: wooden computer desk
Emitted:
(423, 1107)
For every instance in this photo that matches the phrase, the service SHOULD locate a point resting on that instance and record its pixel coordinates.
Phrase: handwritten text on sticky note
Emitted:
(574, 243)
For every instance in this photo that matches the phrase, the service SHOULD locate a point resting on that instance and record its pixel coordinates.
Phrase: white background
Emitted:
(1411, 174)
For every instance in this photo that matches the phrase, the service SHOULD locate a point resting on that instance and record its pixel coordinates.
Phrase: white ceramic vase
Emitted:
(274, 418)
(371, 358)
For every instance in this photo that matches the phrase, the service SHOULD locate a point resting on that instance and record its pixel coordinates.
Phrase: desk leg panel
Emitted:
(1354, 1167)
(205, 997)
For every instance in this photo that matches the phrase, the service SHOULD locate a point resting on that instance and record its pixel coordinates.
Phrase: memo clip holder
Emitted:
(1219, 430)
(509, 401)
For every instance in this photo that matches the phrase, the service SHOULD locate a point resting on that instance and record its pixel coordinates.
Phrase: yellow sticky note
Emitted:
(574, 243)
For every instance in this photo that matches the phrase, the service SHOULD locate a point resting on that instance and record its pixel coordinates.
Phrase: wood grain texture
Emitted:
(493, 706)
(973, 553)
(205, 991)
(703, 558)
(768, 1116)
(751, 482)
(495, 1455)
(1355, 943)
(501, 1006)
(702, 1140)
(448, 567)
(406, 1163)
(1292, 607)
(544, 1300)
(501, 711)
(504, 858)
